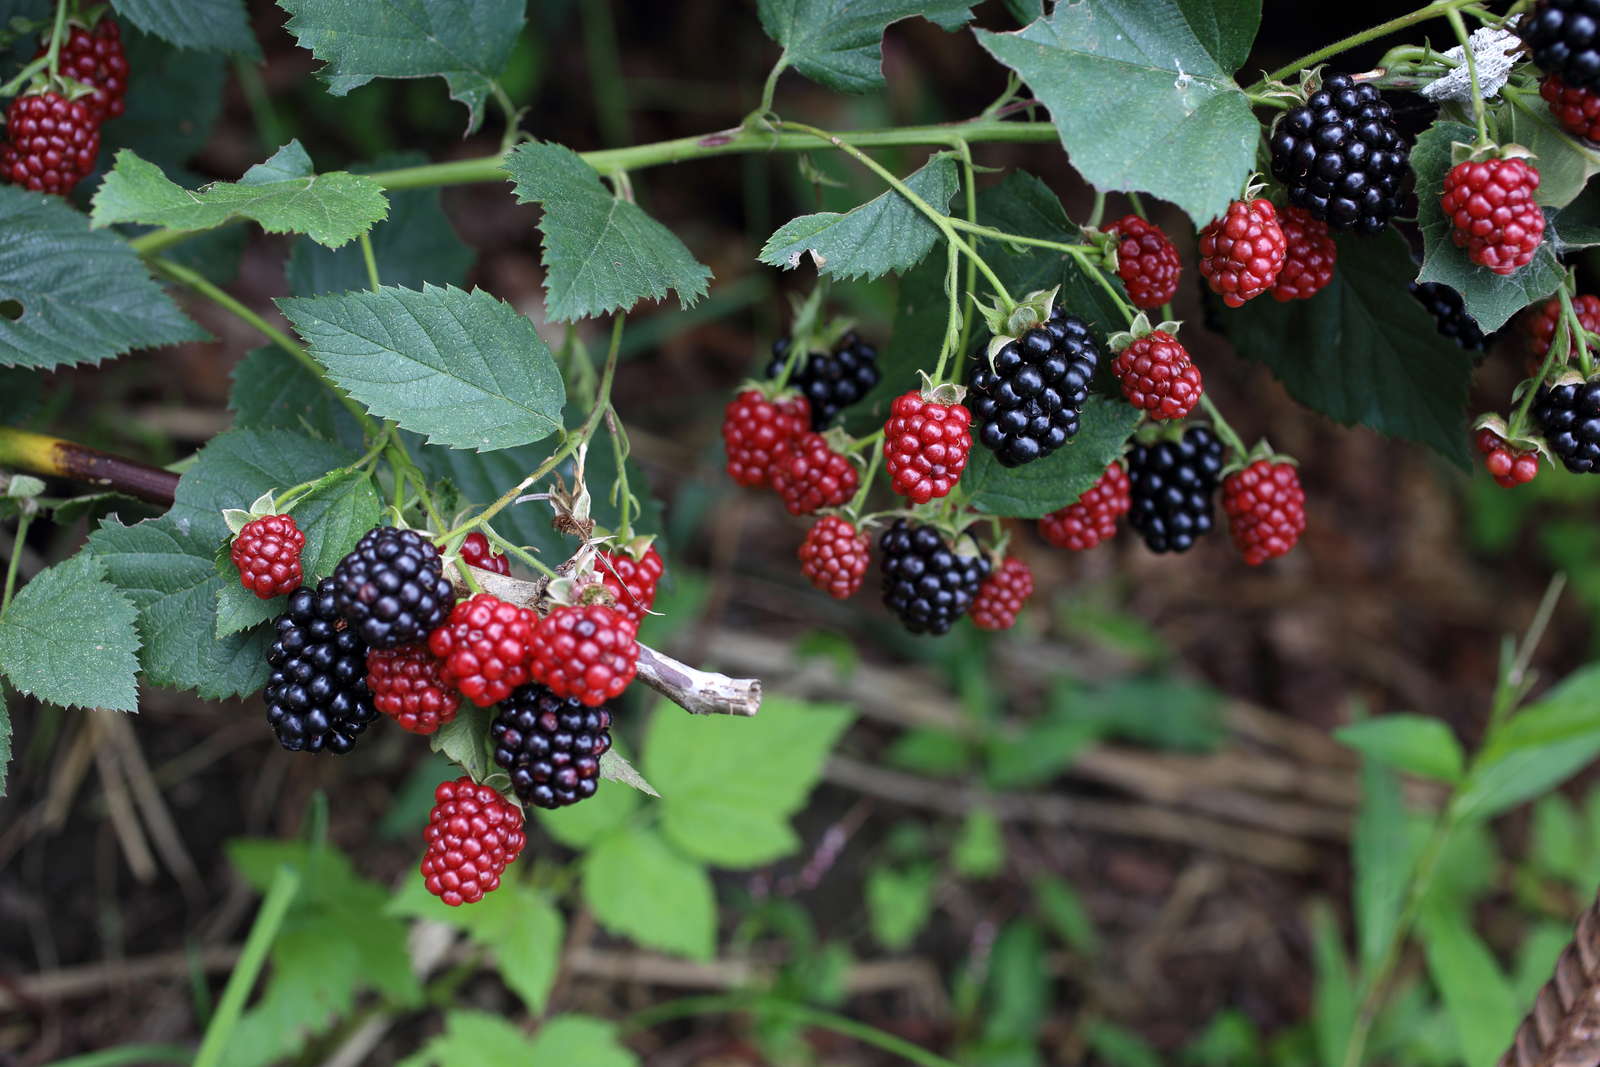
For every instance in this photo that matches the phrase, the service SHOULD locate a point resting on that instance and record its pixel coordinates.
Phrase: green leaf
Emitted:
(728, 785)
(68, 638)
(1558, 848)
(580, 1039)
(516, 924)
(838, 43)
(271, 391)
(1063, 912)
(887, 233)
(199, 25)
(581, 825)
(465, 741)
(461, 367)
(414, 244)
(1159, 712)
(1474, 989)
(1381, 853)
(1118, 1046)
(466, 42)
(1143, 95)
(85, 296)
(929, 751)
(1333, 999)
(1490, 298)
(1565, 163)
(1043, 748)
(284, 195)
(1059, 479)
(601, 253)
(1358, 355)
(165, 82)
(1538, 748)
(639, 888)
(477, 1039)
(899, 902)
(236, 467)
(167, 568)
(979, 850)
(1411, 743)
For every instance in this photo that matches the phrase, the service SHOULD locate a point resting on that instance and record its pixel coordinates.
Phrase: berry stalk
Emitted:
(1355, 40)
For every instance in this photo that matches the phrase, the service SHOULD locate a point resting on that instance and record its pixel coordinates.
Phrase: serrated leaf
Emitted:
(1358, 355)
(414, 244)
(462, 368)
(728, 786)
(887, 233)
(68, 638)
(466, 42)
(1143, 95)
(614, 767)
(174, 98)
(516, 924)
(284, 195)
(600, 253)
(236, 467)
(200, 25)
(839, 43)
(167, 568)
(1565, 163)
(465, 741)
(1045, 485)
(1490, 298)
(333, 518)
(639, 888)
(1411, 743)
(271, 391)
(85, 296)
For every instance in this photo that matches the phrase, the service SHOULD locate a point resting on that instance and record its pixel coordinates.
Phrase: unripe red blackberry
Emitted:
(1157, 375)
(925, 446)
(95, 58)
(753, 428)
(407, 684)
(266, 552)
(632, 581)
(51, 142)
(483, 647)
(1577, 110)
(1242, 252)
(1492, 212)
(1266, 509)
(1308, 259)
(1001, 596)
(1092, 518)
(1510, 467)
(476, 552)
(473, 835)
(810, 476)
(1542, 327)
(833, 557)
(1147, 262)
(588, 653)
(551, 746)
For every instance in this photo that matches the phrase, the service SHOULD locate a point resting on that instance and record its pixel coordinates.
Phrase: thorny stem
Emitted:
(935, 216)
(1434, 10)
(568, 446)
(371, 262)
(23, 520)
(1465, 38)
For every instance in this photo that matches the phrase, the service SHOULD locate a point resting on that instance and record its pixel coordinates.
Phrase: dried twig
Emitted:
(1563, 1029)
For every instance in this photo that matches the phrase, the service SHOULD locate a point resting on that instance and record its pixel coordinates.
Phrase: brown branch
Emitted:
(52, 457)
(1563, 1029)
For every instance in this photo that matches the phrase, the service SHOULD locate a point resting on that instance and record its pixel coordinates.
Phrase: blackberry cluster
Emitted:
(1449, 310)
(925, 581)
(1027, 404)
(1569, 415)
(1172, 485)
(831, 381)
(391, 587)
(317, 696)
(1341, 157)
(550, 746)
(1564, 37)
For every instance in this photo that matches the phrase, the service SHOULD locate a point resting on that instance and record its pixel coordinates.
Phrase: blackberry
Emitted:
(317, 696)
(391, 587)
(1564, 37)
(831, 381)
(550, 746)
(1340, 156)
(1026, 404)
(1449, 310)
(1569, 416)
(1172, 485)
(925, 581)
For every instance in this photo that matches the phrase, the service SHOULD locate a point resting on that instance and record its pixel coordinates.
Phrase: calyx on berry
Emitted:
(1006, 325)
(1525, 441)
(1140, 327)
(263, 505)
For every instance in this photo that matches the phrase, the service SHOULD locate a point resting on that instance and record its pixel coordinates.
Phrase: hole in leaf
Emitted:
(11, 309)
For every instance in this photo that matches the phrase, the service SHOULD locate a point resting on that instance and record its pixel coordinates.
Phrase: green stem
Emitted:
(289, 497)
(952, 328)
(1434, 10)
(1570, 324)
(606, 83)
(1509, 689)
(16, 554)
(935, 216)
(24, 76)
(854, 507)
(568, 446)
(372, 263)
(268, 127)
(969, 183)
(682, 149)
(769, 90)
(772, 1006)
(1554, 356)
(129, 1056)
(1224, 430)
(1460, 28)
(285, 884)
(1098, 211)
(53, 56)
(179, 273)
(619, 453)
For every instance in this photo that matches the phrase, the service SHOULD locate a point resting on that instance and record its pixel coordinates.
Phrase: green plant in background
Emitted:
(1029, 365)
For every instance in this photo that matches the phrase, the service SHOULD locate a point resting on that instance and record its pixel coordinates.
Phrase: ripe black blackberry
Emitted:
(317, 698)
(1027, 404)
(1449, 310)
(831, 381)
(391, 587)
(1340, 156)
(1564, 37)
(1172, 484)
(926, 582)
(551, 746)
(1569, 417)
